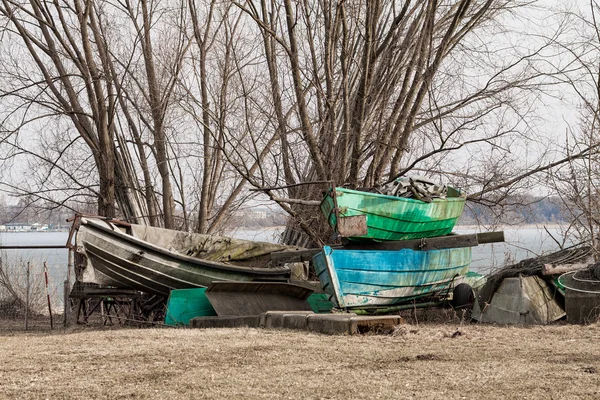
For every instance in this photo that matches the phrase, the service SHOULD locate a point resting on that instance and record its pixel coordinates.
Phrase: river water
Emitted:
(16, 262)
(520, 243)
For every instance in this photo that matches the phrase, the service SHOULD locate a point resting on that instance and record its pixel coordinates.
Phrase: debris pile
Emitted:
(415, 186)
(538, 291)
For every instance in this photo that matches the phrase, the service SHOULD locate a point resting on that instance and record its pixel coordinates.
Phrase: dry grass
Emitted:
(423, 361)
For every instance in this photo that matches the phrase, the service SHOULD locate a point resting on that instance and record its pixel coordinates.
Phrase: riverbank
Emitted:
(424, 360)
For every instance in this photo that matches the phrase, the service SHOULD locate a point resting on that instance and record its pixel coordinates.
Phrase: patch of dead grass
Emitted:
(424, 361)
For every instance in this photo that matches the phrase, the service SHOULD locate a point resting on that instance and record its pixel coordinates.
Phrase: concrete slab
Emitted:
(274, 319)
(329, 324)
(251, 321)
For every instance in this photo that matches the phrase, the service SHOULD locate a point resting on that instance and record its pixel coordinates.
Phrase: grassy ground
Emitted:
(419, 360)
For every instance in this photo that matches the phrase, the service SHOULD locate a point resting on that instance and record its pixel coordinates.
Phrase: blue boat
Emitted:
(370, 279)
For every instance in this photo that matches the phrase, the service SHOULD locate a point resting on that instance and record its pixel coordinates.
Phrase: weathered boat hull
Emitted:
(122, 260)
(394, 218)
(364, 279)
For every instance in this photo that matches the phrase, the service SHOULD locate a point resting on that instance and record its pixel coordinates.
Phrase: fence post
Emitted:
(48, 295)
(67, 289)
(65, 299)
(27, 298)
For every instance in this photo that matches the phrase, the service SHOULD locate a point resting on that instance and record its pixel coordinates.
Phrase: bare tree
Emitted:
(84, 67)
(577, 182)
(69, 78)
(178, 111)
(364, 92)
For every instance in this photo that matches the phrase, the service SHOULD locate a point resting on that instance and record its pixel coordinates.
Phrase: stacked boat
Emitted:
(399, 248)
(399, 245)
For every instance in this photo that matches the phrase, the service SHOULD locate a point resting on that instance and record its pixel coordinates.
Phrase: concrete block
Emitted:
(522, 300)
(274, 319)
(251, 321)
(329, 324)
(295, 321)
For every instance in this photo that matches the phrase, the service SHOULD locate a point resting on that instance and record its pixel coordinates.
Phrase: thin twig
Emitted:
(288, 186)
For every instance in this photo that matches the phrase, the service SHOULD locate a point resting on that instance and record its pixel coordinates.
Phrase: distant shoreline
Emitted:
(32, 231)
(507, 226)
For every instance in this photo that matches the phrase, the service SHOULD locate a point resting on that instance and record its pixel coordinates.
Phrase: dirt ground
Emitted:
(419, 360)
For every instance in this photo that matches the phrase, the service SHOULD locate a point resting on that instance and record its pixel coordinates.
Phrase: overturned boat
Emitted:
(156, 260)
(361, 215)
(372, 279)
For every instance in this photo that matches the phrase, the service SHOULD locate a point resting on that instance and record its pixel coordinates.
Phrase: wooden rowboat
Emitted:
(371, 279)
(364, 215)
(156, 260)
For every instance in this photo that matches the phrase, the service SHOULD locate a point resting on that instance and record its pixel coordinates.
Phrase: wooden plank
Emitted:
(435, 243)
(109, 292)
(490, 237)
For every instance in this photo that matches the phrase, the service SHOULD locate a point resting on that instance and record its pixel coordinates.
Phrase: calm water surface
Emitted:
(16, 261)
(520, 243)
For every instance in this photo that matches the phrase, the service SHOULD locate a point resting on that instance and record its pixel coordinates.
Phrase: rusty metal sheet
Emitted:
(352, 226)
(253, 298)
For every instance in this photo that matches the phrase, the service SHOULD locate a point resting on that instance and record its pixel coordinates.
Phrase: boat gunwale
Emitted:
(439, 215)
(277, 270)
(462, 197)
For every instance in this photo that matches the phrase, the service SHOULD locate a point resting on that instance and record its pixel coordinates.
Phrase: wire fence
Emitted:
(34, 286)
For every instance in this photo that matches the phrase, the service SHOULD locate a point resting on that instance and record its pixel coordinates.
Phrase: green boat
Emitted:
(361, 215)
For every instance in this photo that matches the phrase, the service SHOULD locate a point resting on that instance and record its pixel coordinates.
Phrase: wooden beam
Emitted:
(490, 237)
(435, 243)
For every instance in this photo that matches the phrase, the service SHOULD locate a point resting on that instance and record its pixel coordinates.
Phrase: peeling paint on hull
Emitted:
(373, 278)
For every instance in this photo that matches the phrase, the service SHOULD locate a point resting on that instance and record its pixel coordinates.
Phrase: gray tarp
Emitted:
(521, 300)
